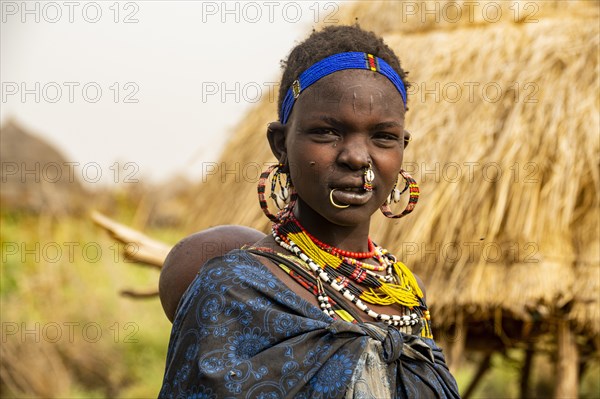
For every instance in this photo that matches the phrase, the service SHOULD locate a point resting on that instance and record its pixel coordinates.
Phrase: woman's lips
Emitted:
(351, 196)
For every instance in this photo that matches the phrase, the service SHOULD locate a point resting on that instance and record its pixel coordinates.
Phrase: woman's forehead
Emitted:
(364, 92)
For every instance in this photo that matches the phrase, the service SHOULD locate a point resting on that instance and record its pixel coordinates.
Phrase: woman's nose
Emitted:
(353, 152)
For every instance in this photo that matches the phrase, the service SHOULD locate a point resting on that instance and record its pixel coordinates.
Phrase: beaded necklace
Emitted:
(355, 283)
(334, 250)
(348, 256)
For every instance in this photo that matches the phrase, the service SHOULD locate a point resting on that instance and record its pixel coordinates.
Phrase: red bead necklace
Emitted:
(337, 251)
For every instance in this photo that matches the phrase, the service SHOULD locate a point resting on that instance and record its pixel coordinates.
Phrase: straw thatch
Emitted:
(36, 177)
(508, 218)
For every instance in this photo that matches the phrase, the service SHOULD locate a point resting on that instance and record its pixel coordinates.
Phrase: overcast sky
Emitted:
(154, 83)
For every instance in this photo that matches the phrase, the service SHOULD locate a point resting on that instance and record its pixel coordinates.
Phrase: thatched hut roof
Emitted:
(504, 116)
(36, 177)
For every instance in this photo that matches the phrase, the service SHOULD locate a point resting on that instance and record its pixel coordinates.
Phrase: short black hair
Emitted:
(333, 40)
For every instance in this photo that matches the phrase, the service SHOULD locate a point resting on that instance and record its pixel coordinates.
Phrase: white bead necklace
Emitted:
(394, 320)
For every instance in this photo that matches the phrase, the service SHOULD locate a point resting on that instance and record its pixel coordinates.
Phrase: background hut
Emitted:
(36, 177)
(504, 112)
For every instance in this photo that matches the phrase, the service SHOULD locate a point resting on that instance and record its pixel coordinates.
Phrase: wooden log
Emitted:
(139, 247)
(137, 294)
(567, 362)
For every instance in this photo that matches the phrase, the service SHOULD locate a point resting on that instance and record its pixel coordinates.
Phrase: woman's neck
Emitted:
(349, 238)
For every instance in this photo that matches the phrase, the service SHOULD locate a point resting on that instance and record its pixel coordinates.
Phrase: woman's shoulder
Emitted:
(188, 255)
(421, 285)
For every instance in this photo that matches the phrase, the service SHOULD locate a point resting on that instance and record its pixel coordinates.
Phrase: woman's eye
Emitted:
(386, 138)
(325, 134)
(328, 132)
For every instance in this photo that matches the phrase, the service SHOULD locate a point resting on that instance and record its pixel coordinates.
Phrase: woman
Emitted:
(316, 309)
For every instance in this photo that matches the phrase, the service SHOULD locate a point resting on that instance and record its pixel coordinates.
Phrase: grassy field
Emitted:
(66, 331)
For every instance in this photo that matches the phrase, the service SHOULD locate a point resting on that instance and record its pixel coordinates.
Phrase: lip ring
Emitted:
(334, 203)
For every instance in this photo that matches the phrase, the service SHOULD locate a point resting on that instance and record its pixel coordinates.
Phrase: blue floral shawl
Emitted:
(240, 332)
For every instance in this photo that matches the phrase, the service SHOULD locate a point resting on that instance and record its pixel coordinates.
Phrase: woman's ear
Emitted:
(276, 137)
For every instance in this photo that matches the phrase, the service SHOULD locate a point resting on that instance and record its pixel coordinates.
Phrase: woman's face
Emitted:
(337, 127)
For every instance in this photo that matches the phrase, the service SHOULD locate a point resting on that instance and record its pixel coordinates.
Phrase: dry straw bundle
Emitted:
(504, 113)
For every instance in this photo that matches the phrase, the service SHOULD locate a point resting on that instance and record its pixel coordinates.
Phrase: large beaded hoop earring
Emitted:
(412, 185)
(285, 199)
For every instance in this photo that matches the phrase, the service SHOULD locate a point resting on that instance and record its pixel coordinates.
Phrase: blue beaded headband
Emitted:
(334, 63)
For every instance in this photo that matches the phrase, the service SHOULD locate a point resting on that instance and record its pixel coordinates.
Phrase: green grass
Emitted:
(103, 344)
(502, 379)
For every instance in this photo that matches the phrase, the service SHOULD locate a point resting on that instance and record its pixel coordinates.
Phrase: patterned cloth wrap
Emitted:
(240, 332)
